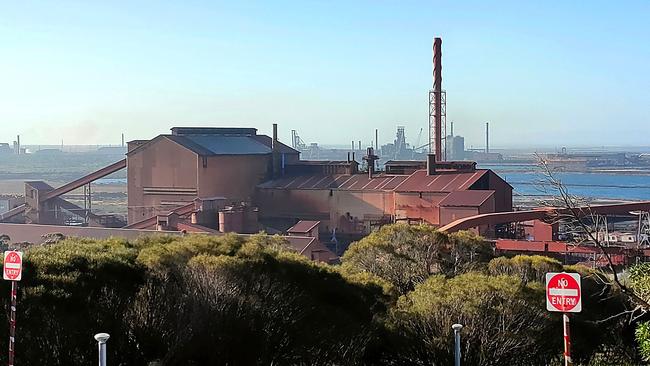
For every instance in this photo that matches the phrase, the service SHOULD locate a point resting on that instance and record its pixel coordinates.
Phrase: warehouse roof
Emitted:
(336, 181)
(223, 144)
(303, 226)
(420, 181)
(416, 182)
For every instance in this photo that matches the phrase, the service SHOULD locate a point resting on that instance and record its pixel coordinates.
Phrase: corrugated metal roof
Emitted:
(440, 182)
(268, 141)
(208, 144)
(416, 182)
(229, 145)
(339, 181)
(303, 226)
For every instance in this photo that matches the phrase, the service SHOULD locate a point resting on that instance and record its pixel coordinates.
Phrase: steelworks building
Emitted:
(174, 176)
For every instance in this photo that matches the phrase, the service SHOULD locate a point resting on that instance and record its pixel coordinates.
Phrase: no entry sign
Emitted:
(563, 292)
(13, 265)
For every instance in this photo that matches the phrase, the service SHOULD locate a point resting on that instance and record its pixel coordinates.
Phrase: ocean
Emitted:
(619, 186)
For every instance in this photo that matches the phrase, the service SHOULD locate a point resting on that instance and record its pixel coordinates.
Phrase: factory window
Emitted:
(331, 193)
(205, 161)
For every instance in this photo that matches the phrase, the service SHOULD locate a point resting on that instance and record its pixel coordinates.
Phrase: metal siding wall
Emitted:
(162, 164)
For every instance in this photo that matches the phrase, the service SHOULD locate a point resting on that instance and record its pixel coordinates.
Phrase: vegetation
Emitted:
(232, 300)
(406, 255)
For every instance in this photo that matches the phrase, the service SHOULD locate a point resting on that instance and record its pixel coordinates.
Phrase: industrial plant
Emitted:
(224, 179)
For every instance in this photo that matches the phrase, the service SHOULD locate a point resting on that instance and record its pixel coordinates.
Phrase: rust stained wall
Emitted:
(351, 207)
(502, 193)
(451, 214)
(232, 176)
(334, 208)
(162, 164)
(418, 205)
(294, 204)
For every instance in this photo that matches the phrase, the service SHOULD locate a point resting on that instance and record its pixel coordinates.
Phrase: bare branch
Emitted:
(571, 211)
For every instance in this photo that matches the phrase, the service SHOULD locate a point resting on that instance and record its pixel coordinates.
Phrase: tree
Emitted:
(504, 320)
(527, 268)
(597, 330)
(579, 221)
(406, 255)
(70, 291)
(260, 304)
(4, 241)
(640, 282)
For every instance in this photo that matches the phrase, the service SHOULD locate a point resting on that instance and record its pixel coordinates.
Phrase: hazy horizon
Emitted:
(544, 75)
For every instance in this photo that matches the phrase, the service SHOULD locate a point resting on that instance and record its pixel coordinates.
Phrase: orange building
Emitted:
(242, 179)
(172, 170)
(355, 203)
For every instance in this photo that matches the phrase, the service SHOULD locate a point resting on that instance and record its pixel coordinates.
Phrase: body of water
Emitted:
(110, 181)
(526, 181)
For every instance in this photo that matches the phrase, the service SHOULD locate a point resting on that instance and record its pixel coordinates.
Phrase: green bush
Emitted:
(406, 255)
(240, 300)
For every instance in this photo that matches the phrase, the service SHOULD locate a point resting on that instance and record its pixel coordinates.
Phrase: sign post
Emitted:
(563, 294)
(12, 271)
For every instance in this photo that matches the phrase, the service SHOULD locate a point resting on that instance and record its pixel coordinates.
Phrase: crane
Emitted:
(417, 143)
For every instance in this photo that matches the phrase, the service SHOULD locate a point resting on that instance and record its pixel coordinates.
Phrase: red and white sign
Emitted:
(563, 292)
(13, 266)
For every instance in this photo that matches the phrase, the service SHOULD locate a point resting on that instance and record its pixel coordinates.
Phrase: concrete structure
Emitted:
(171, 170)
(9, 202)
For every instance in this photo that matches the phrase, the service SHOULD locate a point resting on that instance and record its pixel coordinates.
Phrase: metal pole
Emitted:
(457, 328)
(12, 322)
(567, 340)
(101, 339)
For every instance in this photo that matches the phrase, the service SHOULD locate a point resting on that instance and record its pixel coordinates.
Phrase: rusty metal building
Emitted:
(172, 170)
(355, 203)
(234, 180)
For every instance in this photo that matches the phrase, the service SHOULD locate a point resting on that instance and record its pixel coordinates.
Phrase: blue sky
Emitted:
(549, 73)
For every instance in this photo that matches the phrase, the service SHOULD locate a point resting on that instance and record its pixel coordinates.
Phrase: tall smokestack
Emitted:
(122, 140)
(275, 156)
(275, 136)
(376, 140)
(18, 143)
(437, 95)
(487, 137)
(431, 164)
(452, 129)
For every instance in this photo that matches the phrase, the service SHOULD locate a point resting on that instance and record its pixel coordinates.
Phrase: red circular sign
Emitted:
(12, 265)
(563, 292)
